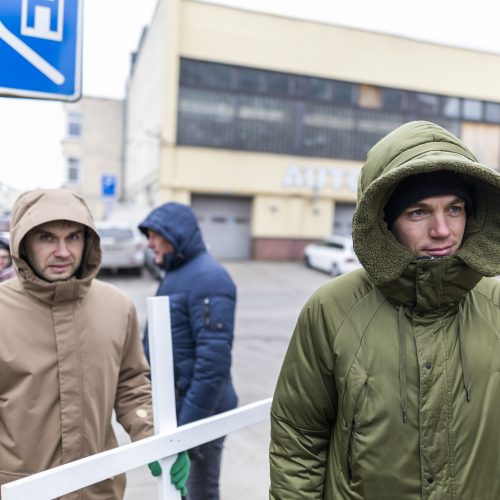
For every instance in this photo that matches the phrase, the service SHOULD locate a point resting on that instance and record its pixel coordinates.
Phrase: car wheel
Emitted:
(307, 261)
(334, 270)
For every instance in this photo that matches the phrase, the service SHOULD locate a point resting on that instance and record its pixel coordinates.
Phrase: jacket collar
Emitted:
(56, 292)
(432, 285)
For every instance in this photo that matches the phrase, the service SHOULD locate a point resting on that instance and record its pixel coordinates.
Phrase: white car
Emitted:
(334, 255)
(122, 246)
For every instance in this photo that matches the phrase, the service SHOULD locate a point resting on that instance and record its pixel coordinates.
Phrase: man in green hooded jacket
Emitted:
(390, 388)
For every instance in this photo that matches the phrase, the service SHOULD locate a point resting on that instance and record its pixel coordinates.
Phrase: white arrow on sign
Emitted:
(30, 55)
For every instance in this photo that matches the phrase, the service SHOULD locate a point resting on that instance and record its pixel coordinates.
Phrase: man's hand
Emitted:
(155, 468)
(179, 472)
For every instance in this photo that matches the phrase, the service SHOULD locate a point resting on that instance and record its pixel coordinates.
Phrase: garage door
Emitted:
(343, 218)
(225, 225)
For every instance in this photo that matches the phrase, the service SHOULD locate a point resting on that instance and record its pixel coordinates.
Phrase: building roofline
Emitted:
(346, 27)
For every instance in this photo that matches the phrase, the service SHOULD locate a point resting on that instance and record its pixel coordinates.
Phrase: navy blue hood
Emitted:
(177, 224)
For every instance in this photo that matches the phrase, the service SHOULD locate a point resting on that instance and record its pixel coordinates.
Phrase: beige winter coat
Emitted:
(70, 353)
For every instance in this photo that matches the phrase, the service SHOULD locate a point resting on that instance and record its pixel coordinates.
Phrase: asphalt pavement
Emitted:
(270, 297)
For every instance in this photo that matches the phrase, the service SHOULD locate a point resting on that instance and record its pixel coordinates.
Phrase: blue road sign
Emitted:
(108, 186)
(40, 48)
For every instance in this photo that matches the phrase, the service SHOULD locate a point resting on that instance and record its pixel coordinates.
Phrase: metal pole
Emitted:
(163, 385)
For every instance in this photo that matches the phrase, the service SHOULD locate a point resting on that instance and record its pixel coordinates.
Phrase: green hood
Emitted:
(414, 148)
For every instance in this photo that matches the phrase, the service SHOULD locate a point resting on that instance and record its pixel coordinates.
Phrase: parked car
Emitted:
(334, 255)
(122, 246)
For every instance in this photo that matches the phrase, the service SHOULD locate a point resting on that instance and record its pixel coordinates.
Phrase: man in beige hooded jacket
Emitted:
(70, 348)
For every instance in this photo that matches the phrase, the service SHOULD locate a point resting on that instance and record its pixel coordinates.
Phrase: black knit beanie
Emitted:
(417, 187)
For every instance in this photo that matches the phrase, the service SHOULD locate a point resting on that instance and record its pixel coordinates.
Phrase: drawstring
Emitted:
(403, 392)
(465, 368)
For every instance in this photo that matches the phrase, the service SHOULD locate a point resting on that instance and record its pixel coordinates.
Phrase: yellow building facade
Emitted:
(262, 122)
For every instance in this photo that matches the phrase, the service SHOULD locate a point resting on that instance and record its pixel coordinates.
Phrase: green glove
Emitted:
(179, 472)
(155, 468)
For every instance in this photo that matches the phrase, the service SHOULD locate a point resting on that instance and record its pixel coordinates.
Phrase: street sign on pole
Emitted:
(108, 193)
(40, 48)
(108, 186)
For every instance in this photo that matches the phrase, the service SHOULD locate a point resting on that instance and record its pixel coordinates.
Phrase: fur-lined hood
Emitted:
(414, 148)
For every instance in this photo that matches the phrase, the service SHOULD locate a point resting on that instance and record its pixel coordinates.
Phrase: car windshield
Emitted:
(117, 234)
(333, 244)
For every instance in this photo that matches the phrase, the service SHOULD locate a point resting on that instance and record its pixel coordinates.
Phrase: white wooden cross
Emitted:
(163, 446)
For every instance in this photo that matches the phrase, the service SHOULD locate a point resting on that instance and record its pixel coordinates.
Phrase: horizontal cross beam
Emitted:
(72, 476)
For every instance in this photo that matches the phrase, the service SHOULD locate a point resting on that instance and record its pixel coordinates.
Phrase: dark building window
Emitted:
(344, 93)
(371, 126)
(190, 73)
(492, 112)
(395, 100)
(206, 118)
(278, 84)
(327, 131)
(74, 124)
(472, 109)
(250, 80)
(73, 171)
(216, 75)
(425, 104)
(264, 124)
(319, 89)
(451, 107)
(240, 108)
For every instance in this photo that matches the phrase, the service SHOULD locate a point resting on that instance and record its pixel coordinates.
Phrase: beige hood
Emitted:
(46, 205)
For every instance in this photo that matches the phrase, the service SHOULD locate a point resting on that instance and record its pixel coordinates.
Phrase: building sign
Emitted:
(320, 178)
(40, 48)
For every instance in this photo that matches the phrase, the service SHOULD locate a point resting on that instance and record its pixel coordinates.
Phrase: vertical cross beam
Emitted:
(162, 382)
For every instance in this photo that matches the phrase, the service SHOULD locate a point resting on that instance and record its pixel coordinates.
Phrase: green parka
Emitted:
(390, 388)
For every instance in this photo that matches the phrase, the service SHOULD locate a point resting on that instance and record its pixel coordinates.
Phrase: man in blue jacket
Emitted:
(202, 305)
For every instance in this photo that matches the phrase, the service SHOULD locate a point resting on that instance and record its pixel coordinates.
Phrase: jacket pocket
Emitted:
(218, 314)
(354, 399)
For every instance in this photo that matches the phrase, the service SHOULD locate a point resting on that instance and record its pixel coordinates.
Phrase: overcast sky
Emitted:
(31, 130)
